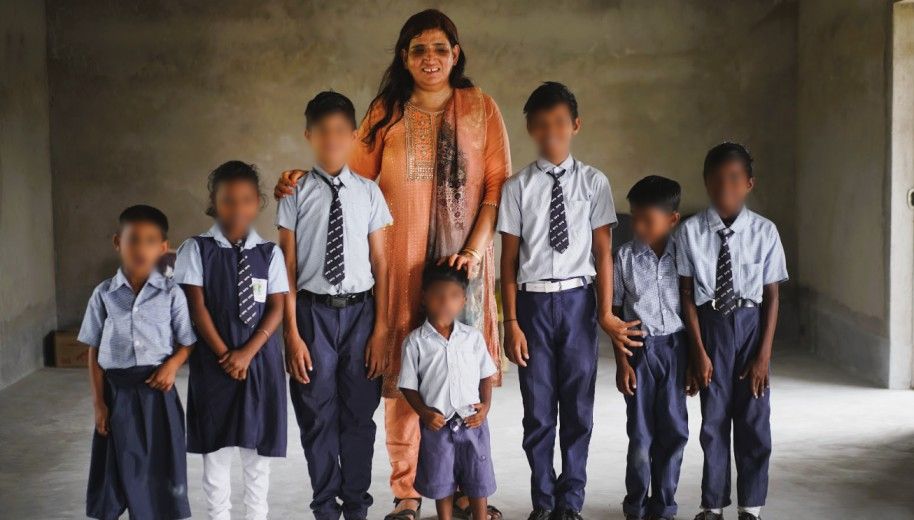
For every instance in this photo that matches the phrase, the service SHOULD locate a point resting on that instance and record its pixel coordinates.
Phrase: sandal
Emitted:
(406, 514)
(464, 513)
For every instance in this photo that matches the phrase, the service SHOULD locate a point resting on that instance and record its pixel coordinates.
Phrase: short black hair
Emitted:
(548, 95)
(231, 171)
(726, 152)
(143, 213)
(434, 273)
(326, 103)
(656, 191)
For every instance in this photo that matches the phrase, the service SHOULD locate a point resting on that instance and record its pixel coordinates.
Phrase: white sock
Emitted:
(754, 511)
(718, 511)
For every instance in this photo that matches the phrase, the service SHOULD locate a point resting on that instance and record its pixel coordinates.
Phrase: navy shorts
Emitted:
(455, 457)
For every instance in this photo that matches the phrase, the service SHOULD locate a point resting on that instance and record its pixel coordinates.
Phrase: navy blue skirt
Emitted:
(141, 465)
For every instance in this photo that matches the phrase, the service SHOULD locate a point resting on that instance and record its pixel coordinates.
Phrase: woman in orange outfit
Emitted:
(438, 148)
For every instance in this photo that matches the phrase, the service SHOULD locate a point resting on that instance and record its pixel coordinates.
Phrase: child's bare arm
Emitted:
(298, 358)
(757, 371)
(202, 319)
(626, 382)
(620, 332)
(701, 368)
(376, 350)
(236, 362)
(97, 385)
(431, 417)
(484, 405)
(515, 341)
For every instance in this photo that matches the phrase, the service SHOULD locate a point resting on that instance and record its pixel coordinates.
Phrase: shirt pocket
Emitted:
(750, 285)
(577, 215)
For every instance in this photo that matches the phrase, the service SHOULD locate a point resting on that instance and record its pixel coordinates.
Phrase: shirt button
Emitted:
(136, 343)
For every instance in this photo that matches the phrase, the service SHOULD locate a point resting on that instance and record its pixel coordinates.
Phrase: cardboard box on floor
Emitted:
(68, 353)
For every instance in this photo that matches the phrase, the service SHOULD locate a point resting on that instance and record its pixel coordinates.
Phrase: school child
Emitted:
(332, 233)
(652, 377)
(236, 398)
(730, 262)
(446, 378)
(138, 331)
(556, 273)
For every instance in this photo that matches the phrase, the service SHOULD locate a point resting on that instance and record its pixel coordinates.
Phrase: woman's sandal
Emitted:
(464, 512)
(406, 514)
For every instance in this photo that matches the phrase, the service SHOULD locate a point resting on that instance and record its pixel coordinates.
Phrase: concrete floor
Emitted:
(842, 450)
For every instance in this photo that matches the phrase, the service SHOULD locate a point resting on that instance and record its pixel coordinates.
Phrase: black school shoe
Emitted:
(748, 516)
(567, 514)
(707, 515)
(540, 514)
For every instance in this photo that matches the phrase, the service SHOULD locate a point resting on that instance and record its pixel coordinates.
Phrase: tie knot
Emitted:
(725, 233)
(557, 173)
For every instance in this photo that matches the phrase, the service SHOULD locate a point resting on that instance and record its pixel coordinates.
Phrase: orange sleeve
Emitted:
(497, 154)
(365, 159)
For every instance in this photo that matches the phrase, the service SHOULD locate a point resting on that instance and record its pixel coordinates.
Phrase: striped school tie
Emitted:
(558, 226)
(246, 308)
(334, 258)
(724, 295)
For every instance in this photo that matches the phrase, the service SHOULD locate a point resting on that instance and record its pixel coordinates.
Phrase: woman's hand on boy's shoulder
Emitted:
(285, 186)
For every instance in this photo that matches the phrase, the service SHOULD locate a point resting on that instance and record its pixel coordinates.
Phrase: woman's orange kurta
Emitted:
(403, 160)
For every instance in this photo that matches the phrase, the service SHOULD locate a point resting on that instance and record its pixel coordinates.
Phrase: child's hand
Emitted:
(163, 378)
(235, 363)
(433, 420)
(702, 370)
(101, 419)
(758, 377)
(476, 420)
(622, 333)
(298, 359)
(626, 381)
(376, 354)
(691, 382)
(516, 344)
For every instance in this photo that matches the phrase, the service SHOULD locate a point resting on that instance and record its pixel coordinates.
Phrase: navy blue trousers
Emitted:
(141, 465)
(732, 344)
(335, 410)
(658, 426)
(558, 384)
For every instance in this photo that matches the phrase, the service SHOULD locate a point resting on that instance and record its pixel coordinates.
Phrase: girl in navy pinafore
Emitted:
(237, 393)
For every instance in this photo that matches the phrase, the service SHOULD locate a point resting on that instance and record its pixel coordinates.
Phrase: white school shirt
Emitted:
(524, 212)
(446, 372)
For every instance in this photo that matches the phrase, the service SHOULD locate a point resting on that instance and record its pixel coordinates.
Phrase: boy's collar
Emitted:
(547, 166)
(343, 177)
(252, 239)
(429, 330)
(641, 248)
(715, 223)
(156, 279)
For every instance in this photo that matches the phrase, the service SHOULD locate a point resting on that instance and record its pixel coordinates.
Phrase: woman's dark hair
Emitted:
(548, 95)
(326, 103)
(397, 84)
(232, 171)
(657, 192)
(435, 273)
(143, 213)
(726, 152)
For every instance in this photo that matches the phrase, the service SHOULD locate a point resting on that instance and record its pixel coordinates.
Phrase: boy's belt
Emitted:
(740, 302)
(551, 286)
(337, 301)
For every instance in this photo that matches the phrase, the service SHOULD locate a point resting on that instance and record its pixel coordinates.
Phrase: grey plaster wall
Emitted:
(842, 172)
(27, 299)
(147, 97)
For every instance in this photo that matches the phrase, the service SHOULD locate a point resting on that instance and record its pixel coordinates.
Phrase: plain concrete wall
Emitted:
(147, 98)
(27, 301)
(842, 171)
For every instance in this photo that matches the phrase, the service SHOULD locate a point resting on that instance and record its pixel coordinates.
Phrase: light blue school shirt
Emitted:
(136, 330)
(305, 213)
(524, 212)
(189, 264)
(446, 371)
(755, 251)
(647, 287)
